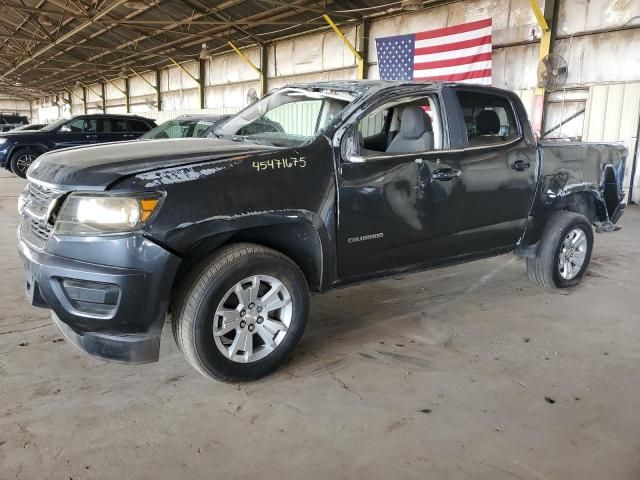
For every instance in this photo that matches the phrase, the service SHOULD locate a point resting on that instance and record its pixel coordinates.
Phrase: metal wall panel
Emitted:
(179, 99)
(583, 15)
(232, 68)
(606, 57)
(612, 114)
(229, 98)
(138, 87)
(112, 91)
(174, 78)
(16, 105)
(315, 53)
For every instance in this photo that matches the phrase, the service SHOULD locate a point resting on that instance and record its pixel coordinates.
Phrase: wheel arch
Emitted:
(588, 202)
(298, 240)
(38, 147)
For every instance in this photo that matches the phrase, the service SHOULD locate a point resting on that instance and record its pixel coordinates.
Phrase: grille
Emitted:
(36, 227)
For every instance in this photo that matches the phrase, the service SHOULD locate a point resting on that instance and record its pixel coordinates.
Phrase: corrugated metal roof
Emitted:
(48, 45)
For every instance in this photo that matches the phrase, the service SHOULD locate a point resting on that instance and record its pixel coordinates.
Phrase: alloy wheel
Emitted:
(572, 254)
(252, 319)
(24, 161)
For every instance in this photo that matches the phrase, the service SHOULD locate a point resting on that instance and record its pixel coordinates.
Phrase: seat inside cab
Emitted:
(410, 125)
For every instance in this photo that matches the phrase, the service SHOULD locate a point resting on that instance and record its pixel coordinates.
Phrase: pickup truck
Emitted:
(314, 186)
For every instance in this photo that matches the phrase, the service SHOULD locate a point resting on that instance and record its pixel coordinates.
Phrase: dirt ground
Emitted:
(464, 372)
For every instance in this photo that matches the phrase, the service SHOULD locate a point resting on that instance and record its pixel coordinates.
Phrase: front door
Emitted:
(78, 132)
(398, 208)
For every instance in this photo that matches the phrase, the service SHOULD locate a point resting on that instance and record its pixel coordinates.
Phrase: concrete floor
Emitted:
(466, 372)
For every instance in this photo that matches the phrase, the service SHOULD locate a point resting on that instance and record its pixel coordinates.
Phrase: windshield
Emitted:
(179, 129)
(287, 118)
(54, 125)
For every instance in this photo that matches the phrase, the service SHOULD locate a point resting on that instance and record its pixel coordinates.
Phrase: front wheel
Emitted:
(242, 313)
(21, 160)
(564, 253)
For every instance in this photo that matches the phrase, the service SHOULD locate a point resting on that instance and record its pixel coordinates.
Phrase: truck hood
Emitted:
(97, 167)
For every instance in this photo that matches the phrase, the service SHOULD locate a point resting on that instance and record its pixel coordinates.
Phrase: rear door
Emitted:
(137, 128)
(114, 130)
(499, 173)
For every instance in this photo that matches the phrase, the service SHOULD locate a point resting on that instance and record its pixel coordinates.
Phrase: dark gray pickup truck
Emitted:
(313, 187)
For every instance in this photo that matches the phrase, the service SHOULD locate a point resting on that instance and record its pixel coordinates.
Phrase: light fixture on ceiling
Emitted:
(44, 19)
(134, 5)
(411, 5)
(204, 54)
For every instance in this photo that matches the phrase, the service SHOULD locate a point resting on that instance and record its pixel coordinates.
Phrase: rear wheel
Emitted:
(564, 253)
(21, 160)
(241, 313)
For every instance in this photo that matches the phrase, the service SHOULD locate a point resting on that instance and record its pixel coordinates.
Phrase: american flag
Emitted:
(454, 54)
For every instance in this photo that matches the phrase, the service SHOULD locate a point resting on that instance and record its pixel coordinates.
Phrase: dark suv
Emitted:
(19, 149)
(9, 121)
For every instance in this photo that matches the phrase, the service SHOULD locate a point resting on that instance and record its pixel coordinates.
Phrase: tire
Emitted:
(545, 269)
(211, 290)
(21, 160)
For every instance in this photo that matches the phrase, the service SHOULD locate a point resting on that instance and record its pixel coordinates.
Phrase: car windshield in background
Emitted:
(290, 117)
(179, 129)
(55, 125)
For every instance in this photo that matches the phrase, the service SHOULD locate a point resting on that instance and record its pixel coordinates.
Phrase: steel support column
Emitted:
(103, 85)
(127, 95)
(202, 68)
(264, 69)
(548, 22)
(158, 90)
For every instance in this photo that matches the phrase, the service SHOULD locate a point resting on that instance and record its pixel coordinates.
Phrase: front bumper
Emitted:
(3, 156)
(115, 312)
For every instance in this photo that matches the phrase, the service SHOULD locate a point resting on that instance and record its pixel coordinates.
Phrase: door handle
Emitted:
(520, 165)
(446, 174)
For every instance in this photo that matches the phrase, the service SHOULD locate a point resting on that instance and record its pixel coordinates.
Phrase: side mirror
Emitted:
(65, 129)
(350, 148)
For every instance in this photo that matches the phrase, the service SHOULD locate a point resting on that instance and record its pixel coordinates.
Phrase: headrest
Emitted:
(488, 123)
(415, 122)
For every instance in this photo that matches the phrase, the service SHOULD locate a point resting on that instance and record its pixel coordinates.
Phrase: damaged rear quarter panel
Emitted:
(575, 168)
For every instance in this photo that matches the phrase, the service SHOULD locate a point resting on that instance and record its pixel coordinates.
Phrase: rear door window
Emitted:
(138, 126)
(489, 118)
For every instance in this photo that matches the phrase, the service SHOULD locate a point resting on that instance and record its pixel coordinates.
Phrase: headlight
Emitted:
(23, 199)
(86, 214)
(3, 140)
